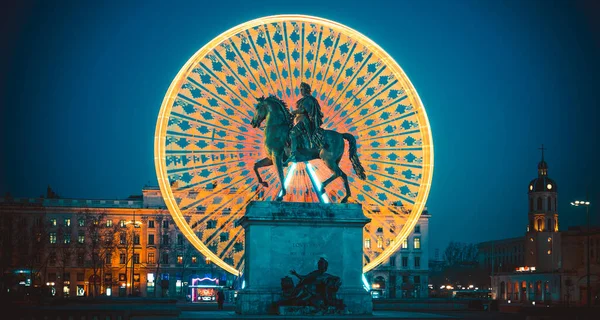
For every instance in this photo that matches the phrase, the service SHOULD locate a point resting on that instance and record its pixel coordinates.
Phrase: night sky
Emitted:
(81, 84)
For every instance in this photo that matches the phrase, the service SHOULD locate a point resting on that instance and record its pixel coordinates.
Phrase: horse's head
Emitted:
(260, 113)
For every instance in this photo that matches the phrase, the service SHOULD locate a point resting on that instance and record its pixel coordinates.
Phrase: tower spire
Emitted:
(542, 148)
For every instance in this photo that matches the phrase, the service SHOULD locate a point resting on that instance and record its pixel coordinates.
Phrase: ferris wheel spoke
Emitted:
(356, 108)
(253, 45)
(227, 129)
(214, 76)
(197, 85)
(236, 74)
(248, 68)
(360, 89)
(213, 194)
(239, 232)
(395, 120)
(354, 45)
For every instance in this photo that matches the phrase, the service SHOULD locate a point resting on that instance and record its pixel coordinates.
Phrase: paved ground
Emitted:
(376, 316)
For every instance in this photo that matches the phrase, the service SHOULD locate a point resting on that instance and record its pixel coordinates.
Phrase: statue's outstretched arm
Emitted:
(296, 274)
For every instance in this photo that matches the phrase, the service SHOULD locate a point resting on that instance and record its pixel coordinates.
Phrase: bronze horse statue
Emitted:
(278, 124)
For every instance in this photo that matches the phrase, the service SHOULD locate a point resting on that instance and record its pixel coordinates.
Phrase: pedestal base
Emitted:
(284, 236)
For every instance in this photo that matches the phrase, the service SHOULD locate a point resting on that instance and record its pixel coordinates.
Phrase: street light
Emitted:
(586, 203)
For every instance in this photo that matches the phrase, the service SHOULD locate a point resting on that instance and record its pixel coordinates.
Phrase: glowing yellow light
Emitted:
(549, 186)
(412, 99)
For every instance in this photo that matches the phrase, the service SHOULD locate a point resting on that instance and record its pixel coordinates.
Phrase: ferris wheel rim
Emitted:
(167, 104)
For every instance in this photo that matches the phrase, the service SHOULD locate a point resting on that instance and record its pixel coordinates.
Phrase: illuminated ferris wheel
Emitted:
(205, 147)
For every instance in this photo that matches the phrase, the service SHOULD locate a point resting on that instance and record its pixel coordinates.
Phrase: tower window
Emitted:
(549, 204)
(539, 204)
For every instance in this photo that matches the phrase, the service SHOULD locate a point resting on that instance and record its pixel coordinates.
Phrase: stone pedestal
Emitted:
(284, 236)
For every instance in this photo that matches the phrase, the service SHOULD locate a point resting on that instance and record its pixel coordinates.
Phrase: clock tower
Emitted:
(543, 241)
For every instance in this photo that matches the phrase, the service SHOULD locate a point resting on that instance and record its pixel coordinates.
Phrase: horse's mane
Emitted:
(284, 107)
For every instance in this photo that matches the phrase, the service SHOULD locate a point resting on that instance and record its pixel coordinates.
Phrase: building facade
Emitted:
(75, 247)
(546, 265)
(406, 274)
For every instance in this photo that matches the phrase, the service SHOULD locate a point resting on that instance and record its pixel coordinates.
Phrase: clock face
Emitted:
(549, 186)
(205, 147)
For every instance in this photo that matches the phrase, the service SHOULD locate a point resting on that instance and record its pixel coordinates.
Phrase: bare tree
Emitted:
(65, 250)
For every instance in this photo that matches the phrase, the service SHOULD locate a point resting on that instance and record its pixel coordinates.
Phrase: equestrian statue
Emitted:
(297, 136)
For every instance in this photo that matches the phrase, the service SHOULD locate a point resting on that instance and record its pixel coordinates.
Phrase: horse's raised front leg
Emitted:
(261, 164)
(279, 164)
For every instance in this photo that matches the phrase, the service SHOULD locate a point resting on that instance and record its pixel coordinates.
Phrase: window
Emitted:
(179, 259)
(109, 223)
(67, 222)
(194, 259)
(165, 258)
(151, 224)
(379, 242)
(404, 262)
(539, 204)
(52, 237)
(67, 276)
(179, 239)
(67, 238)
(150, 239)
(165, 239)
(122, 258)
(151, 257)
(81, 238)
(81, 222)
(122, 277)
(108, 258)
(211, 224)
(417, 279)
(368, 243)
(530, 204)
(392, 261)
(136, 239)
(404, 279)
(405, 244)
(80, 276)
(52, 258)
(549, 204)
(165, 224)
(417, 243)
(136, 277)
(53, 222)
(80, 260)
(417, 262)
(136, 258)
(122, 223)
(418, 228)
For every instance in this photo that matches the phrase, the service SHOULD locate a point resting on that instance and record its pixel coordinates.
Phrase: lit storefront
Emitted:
(204, 289)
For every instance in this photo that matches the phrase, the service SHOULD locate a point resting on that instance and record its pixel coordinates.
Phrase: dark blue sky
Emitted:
(82, 83)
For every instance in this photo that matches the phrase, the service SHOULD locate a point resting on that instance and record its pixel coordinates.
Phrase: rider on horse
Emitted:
(309, 119)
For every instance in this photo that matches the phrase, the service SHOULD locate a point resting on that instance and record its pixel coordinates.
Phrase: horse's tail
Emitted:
(358, 168)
